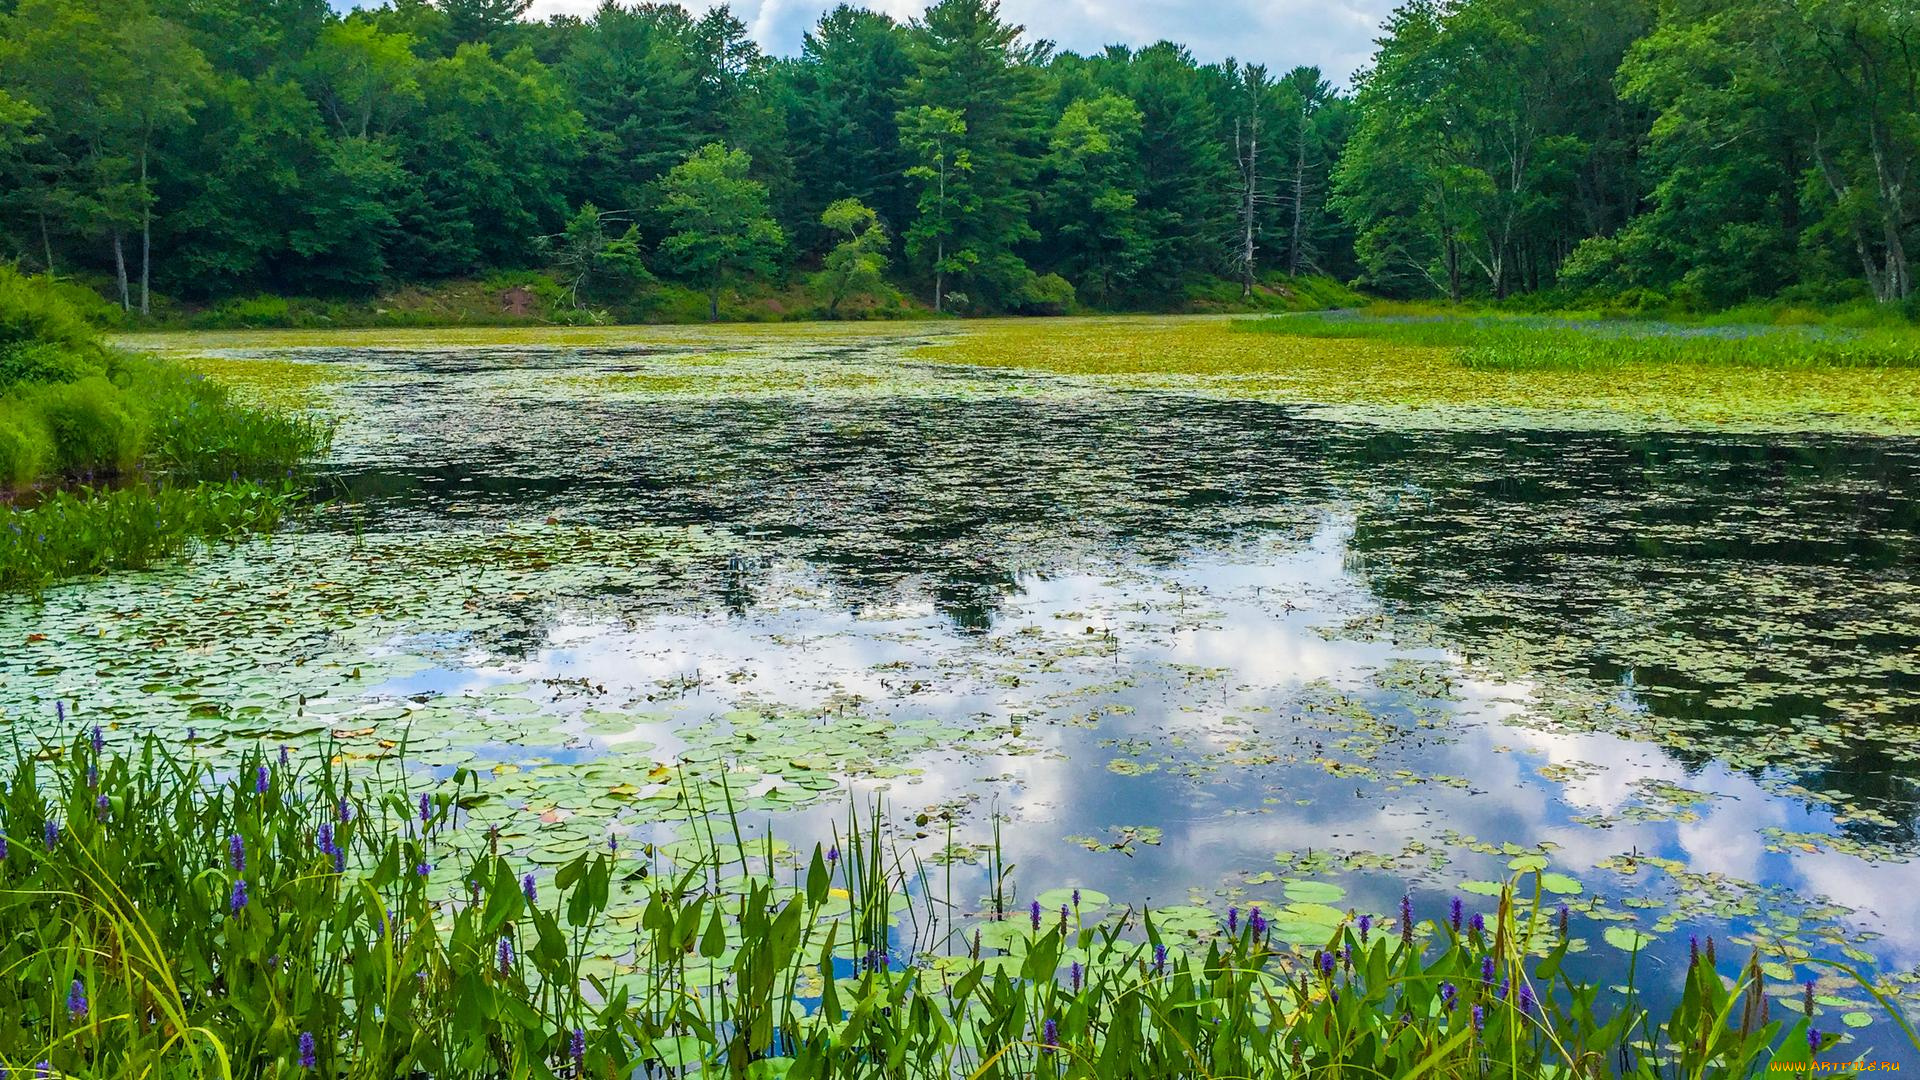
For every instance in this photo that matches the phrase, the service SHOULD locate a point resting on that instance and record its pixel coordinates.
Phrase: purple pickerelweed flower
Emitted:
(1406, 920)
(1159, 959)
(43, 1071)
(346, 811)
(1486, 971)
(426, 809)
(1076, 899)
(306, 1050)
(1326, 963)
(77, 1001)
(325, 840)
(1478, 924)
(423, 869)
(1034, 911)
(1693, 951)
(1455, 912)
(3, 849)
(60, 711)
(51, 834)
(1073, 976)
(613, 845)
(1064, 913)
(1256, 924)
(1806, 1001)
(236, 852)
(1502, 992)
(286, 759)
(527, 886)
(99, 739)
(577, 1046)
(1563, 930)
(1814, 1039)
(239, 898)
(506, 956)
(262, 779)
(103, 804)
(1479, 1018)
(1526, 1000)
(1050, 1037)
(1449, 996)
(93, 776)
(833, 854)
(1366, 927)
(1233, 920)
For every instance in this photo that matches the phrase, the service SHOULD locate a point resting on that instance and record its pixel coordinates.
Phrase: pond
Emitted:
(1193, 652)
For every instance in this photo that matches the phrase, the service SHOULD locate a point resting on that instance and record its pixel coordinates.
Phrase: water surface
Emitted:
(1190, 649)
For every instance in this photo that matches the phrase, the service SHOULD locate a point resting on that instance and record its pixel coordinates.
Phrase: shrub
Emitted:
(45, 362)
(97, 429)
(1049, 294)
(249, 313)
(32, 311)
(26, 447)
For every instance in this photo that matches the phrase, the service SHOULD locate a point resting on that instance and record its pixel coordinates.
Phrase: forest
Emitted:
(1685, 153)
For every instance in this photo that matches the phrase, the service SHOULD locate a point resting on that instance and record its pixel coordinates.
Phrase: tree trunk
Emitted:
(146, 239)
(46, 241)
(120, 271)
(713, 303)
(1250, 176)
(939, 274)
(1299, 198)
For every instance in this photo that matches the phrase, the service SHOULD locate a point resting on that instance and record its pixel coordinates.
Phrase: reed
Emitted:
(290, 917)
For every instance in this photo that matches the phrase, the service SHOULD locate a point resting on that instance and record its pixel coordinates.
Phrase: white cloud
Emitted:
(1336, 35)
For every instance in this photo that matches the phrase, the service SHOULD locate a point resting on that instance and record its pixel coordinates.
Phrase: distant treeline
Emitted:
(1699, 152)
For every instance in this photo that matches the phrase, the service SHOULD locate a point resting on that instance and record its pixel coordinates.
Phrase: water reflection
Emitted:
(1265, 636)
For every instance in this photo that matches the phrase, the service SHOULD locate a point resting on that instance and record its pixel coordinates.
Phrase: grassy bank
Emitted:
(291, 917)
(536, 299)
(110, 458)
(1486, 372)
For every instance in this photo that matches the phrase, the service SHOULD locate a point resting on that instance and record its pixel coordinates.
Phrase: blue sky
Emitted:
(1335, 34)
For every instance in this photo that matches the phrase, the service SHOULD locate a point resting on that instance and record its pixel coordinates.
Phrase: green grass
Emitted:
(1519, 343)
(162, 918)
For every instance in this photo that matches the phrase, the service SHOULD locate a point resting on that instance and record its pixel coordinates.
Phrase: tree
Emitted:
(944, 168)
(110, 88)
(1753, 98)
(1089, 208)
(841, 98)
(719, 219)
(591, 262)
(970, 62)
(858, 263)
(488, 158)
(365, 79)
(474, 22)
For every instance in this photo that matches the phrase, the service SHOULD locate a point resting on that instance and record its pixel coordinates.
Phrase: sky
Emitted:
(1337, 35)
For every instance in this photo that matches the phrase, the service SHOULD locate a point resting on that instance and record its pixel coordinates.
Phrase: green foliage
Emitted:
(66, 534)
(592, 263)
(1490, 149)
(396, 943)
(98, 430)
(721, 228)
(1047, 294)
(26, 446)
(857, 265)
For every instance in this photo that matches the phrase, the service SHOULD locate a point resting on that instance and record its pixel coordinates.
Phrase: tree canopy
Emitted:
(1704, 152)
